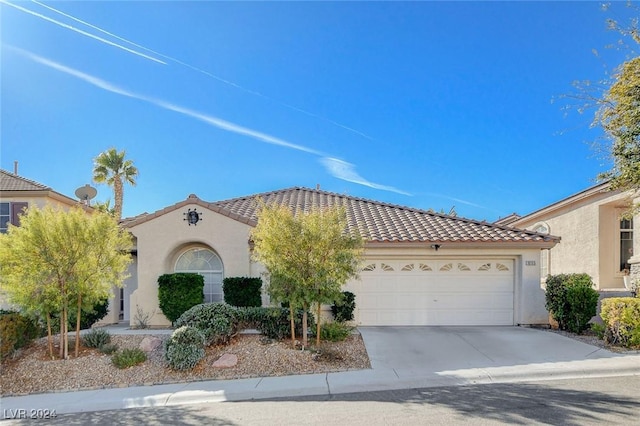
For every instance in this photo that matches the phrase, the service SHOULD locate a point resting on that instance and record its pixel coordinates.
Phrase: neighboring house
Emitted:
(596, 239)
(18, 193)
(420, 267)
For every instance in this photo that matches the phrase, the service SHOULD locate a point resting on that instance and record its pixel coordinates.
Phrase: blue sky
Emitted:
(424, 104)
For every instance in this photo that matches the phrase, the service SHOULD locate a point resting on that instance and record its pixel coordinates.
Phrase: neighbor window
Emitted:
(206, 263)
(9, 214)
(626, 243)
(5, 216)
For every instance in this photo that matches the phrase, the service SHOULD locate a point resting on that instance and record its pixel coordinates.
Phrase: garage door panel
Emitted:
(456, 292)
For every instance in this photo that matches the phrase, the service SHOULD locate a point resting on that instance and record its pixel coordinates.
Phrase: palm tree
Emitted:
(110, 167)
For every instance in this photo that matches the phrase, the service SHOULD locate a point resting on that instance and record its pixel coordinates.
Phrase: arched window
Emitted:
(208, 264)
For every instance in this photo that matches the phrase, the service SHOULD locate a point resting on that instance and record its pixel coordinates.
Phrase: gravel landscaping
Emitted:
(32, 371)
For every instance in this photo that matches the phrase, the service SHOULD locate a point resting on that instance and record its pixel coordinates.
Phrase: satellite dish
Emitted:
(86, 193)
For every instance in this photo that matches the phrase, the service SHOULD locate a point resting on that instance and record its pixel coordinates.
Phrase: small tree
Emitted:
(56, 261)
(309, 256)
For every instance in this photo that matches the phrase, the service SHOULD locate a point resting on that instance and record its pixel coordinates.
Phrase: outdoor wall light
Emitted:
(435, 246)
(192, 217)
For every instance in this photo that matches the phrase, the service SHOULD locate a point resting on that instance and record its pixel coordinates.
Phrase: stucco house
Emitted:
(18, 193)
(596, 238)
(420, 267)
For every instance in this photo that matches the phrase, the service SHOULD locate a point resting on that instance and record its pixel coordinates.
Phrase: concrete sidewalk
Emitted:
(469, 357)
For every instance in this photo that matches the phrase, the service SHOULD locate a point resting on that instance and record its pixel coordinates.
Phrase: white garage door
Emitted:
(442, 292)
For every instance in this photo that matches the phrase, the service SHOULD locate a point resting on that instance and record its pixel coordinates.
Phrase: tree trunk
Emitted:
(117, 191)
(61, 350)
(293, 325)
(318, 325)
(305, 340)
(65, 335)
(49, 336)
(78, 326)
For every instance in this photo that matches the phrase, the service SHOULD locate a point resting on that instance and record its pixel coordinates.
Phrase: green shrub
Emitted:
(273, 322)
(108, 348)
(96, 338)
(242, 291)
(128, 357)
(217, 321)
(88, 316)
(335, 331)
(343, 308)
(621, 316)
(598, 329)
(16, 331)
(185, 348)
(179, 292)
(571, 300)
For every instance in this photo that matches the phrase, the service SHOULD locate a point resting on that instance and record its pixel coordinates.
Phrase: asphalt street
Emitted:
(589, 401)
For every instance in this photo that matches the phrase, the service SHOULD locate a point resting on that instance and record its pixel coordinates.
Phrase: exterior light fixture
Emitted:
(192, 217)
(435, 246)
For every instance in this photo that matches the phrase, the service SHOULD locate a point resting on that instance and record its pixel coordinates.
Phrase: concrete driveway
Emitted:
(415, 351)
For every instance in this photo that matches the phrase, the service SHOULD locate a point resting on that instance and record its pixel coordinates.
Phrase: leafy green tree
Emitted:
(112, 168)
(619, 116)
(309, 256)
(58, 260)
(617, 103)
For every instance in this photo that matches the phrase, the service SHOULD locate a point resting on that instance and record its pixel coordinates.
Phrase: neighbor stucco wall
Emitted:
(589, 232)
(38, 200)
(160, 242)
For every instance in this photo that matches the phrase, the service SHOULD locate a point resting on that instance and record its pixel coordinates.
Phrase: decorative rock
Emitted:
(150, 344)
(226, 361)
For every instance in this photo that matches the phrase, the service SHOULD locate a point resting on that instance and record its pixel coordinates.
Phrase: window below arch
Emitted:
(206, 263)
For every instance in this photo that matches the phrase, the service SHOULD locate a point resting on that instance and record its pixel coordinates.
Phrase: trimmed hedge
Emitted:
(179, 292)
(343, 308)
(16, 331)
(621, 317)
(242, 291)
(571, 300)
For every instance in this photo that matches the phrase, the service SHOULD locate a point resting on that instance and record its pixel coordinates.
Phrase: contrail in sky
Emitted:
(346, 171)
(214, 121)
(337, 168)
(172, 59)
(82, 32)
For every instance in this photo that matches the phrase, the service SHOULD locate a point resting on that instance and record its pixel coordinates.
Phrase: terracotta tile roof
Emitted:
(11, 182)
(377, 221)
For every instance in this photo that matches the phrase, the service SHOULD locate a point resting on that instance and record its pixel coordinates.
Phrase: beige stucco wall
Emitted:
(589, 231)
(39, 200)
(161, 241)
